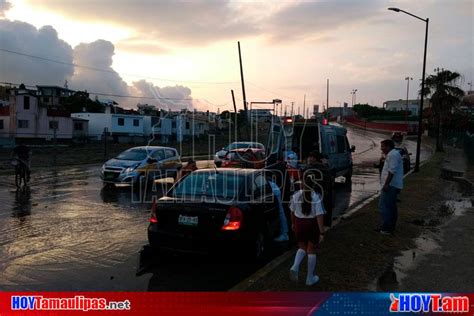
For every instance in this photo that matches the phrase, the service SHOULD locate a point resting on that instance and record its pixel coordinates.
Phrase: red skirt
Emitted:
(307, 229)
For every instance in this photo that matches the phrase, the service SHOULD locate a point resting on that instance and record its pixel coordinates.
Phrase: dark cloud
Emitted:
(4, 6)
(305, 19)
(44, 42)
(193, 22)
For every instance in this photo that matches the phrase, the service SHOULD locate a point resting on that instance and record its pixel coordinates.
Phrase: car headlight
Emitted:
(131, 169)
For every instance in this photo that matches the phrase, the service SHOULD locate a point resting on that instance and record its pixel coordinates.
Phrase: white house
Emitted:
(116, 124)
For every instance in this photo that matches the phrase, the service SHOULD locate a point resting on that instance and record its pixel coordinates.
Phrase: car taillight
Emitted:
(233, 219)
(153, 218)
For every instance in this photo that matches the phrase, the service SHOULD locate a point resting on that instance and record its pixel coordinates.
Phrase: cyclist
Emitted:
(22, 153)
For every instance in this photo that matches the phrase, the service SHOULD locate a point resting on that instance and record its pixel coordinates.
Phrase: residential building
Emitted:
(27, 117)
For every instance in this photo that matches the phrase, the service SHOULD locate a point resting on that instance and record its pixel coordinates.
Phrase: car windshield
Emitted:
(237, 146)
(133, 154)
(222, 185)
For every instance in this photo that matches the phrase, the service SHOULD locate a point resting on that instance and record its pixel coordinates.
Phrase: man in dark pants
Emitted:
(324, 182)
(22, 153)
(391, 181)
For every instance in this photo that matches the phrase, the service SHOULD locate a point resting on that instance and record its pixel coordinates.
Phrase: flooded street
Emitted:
(67, 232)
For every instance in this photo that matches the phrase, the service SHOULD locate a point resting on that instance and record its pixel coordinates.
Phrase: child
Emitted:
(307, 218)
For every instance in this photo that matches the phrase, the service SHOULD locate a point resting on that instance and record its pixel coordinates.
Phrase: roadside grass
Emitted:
(353, 255)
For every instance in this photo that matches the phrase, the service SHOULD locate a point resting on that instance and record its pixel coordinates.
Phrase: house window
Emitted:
(173, 124)
(26, 103)
(22, 123)
(1, 124)
(136, 122)
(45, 99)
(187, 125)
(53, 124)
(121, 121)
(78, 126)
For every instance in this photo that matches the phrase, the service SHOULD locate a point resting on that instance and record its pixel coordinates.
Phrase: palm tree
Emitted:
(445, 95)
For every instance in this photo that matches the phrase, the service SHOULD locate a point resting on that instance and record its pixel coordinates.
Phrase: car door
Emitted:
(170, 162)
(159, 155)
(330, 149)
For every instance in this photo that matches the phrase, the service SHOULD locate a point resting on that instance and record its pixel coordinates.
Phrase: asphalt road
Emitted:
(66, 232)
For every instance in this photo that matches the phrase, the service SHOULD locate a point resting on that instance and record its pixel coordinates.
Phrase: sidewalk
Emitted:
(353, 257)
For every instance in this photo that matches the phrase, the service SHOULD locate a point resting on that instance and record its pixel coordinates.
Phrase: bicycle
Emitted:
(20, 172)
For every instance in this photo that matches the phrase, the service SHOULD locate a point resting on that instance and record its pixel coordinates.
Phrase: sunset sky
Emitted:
(184, 50)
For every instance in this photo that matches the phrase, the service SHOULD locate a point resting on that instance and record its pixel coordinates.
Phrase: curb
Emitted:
(269, 267)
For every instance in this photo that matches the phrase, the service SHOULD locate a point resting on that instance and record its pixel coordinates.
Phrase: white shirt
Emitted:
(317, 207)
(393, 164)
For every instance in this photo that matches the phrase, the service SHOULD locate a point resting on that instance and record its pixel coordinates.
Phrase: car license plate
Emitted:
(188, 220)
(109, 175)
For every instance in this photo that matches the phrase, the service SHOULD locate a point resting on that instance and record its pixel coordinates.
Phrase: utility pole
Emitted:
(327, 98)
(292, 103)
(406, 108)
(304, 105)
(235, 113)
(242, 80)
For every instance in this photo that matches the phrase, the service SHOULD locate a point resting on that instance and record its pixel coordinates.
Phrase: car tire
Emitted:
(348, 176)
(218, 163)
(255, 250)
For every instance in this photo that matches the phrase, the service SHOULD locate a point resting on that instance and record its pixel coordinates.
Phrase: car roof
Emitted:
(255, 143)
(245, 149)
(239, 171)
(151, 148)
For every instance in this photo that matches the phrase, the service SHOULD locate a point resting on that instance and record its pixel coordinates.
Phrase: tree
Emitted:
(445, 95)
(79, 101)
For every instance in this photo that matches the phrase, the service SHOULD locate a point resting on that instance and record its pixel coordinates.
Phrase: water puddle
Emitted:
(393, 276)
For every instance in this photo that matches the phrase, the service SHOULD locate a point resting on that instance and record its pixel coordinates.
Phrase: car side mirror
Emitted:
(152, 160)
(353, 148)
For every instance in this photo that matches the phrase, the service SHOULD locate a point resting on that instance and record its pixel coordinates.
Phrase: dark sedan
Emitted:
(216, 210)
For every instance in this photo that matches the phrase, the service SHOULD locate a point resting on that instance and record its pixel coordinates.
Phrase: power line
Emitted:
(110, 71)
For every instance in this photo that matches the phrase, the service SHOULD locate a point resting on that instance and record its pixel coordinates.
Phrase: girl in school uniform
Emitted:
(307, 218)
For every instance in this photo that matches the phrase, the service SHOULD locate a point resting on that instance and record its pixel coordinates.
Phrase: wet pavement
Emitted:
(67, 232)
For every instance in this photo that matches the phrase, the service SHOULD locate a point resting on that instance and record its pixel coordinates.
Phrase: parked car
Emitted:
(219, 156)
(146, 162)
(216, 210)
(405, 158)
(239, 158)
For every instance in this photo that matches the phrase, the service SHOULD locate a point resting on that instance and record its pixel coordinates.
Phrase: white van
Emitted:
(307, 135)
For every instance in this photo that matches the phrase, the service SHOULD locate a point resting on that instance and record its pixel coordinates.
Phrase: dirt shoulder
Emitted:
(353, 255)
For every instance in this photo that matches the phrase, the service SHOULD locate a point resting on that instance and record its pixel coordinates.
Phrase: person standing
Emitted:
(283, 222)
(22, 153)
(184, 171)
(391, 182)
(307, 218)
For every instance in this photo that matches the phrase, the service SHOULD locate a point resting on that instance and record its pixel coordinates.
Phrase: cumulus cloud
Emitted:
(4, 6)
(189, 22)
(175, 98)
(97, 55)
(44, 42)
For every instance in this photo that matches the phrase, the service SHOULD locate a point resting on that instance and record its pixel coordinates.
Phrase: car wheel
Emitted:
(218, 164)
(348, 176)
(256, 249)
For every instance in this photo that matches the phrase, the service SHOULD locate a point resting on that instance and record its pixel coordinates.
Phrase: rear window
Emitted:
(224, 185)
(170, 153)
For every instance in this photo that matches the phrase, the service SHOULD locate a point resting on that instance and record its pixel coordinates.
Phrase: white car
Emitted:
(219, 156)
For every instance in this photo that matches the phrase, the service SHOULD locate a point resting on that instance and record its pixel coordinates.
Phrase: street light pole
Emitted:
(406, 108)
(420, 112)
